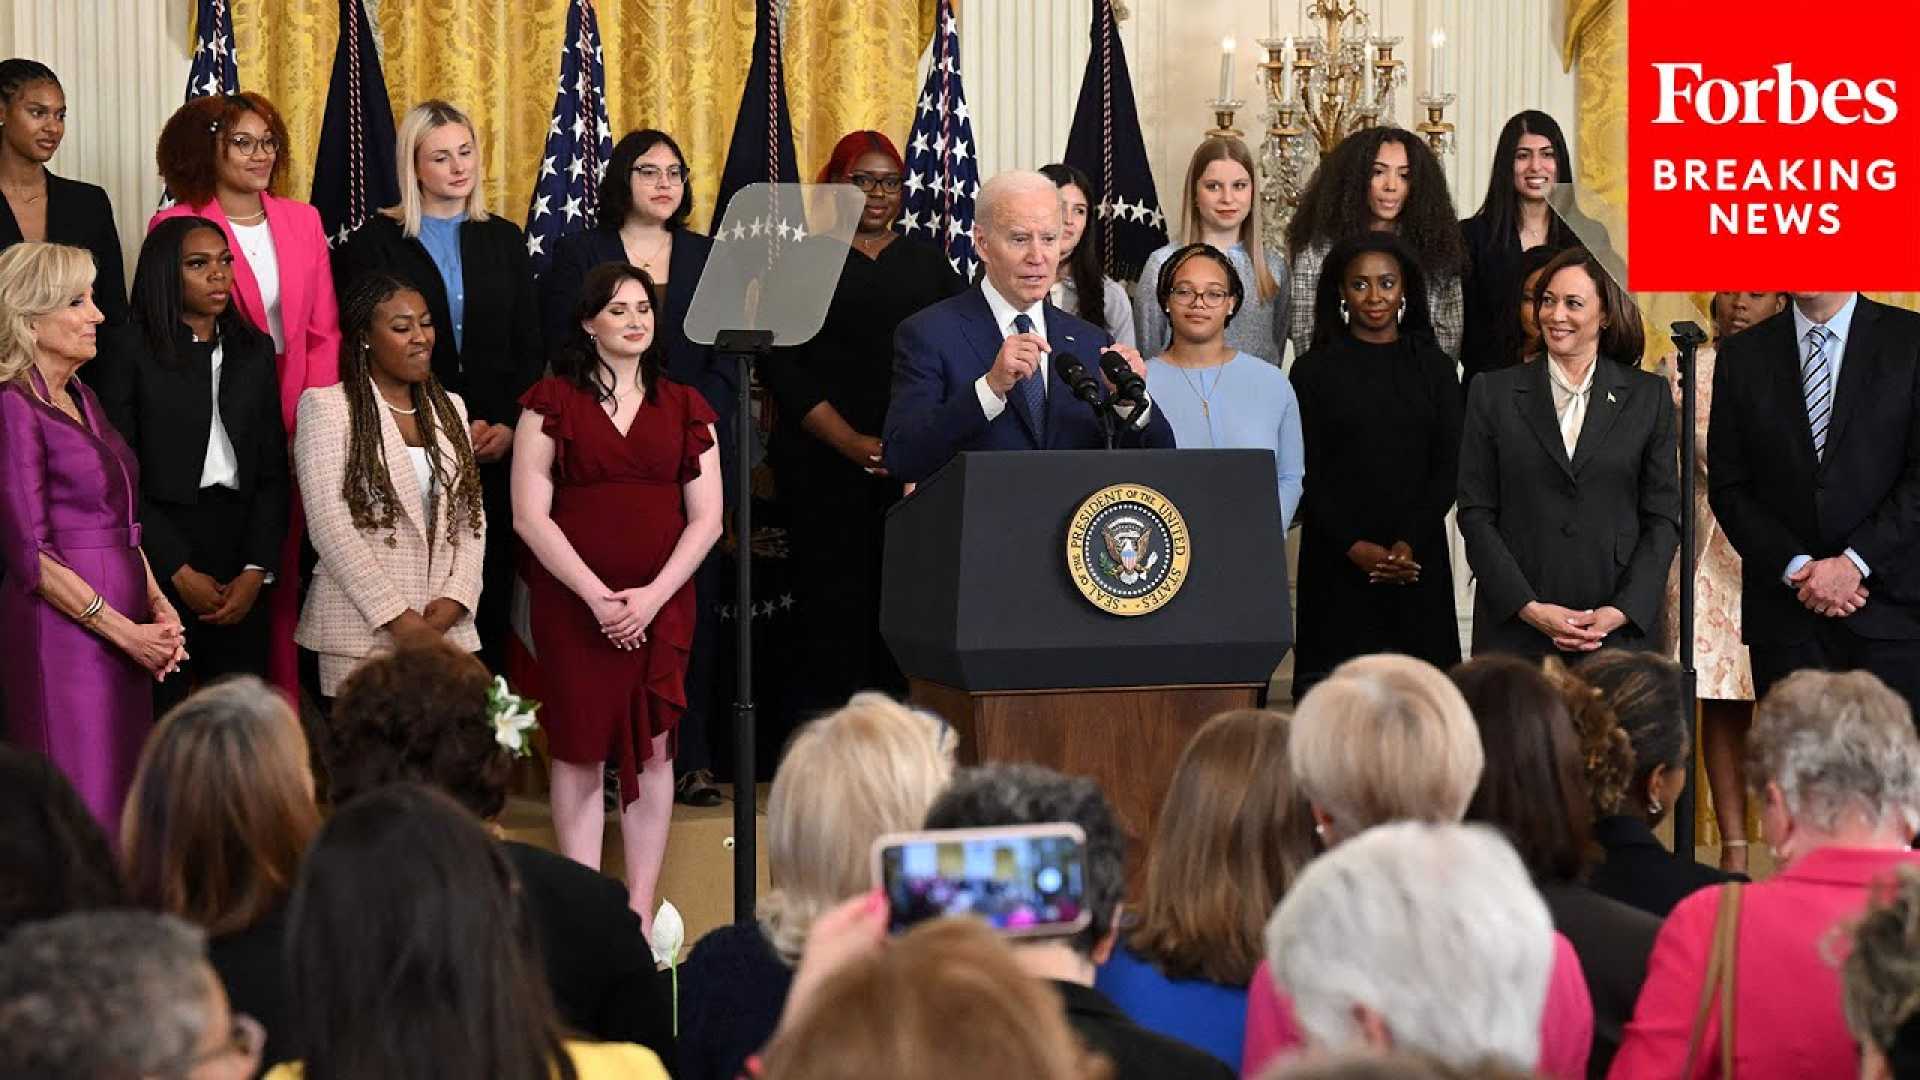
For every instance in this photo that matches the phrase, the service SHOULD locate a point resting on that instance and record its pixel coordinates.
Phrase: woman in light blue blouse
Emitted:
(1223, 209)
(1214, 394)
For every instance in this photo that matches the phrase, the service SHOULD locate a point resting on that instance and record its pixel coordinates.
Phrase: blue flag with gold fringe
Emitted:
(353, 172)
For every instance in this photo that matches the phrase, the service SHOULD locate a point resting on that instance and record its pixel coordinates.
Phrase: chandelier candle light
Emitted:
(1225, 104)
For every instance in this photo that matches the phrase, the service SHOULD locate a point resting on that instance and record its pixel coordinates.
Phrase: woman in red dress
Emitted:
(616, 494)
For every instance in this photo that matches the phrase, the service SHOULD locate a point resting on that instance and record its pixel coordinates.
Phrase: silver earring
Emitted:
(1402, 316)
(1654, 805)
(1345, 315)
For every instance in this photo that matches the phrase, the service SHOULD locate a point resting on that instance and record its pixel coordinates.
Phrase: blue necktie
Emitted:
(1816, 379)
(1033, 388)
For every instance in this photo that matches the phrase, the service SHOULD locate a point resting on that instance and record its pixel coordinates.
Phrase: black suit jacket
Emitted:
(80, 214)
(597, 960)
(164, 410)
(1640, 872)
(1613, 942)
(1777, 501)
(1136, 1053)
(503, 354)
(252, 966)
(1597, 530)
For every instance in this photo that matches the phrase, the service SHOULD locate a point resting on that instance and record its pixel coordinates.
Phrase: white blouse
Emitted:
(256, 243)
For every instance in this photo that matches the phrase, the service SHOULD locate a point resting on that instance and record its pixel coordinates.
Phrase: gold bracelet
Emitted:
(92, 610)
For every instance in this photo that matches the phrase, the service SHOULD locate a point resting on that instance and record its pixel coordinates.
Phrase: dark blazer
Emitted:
(1776, 500)
(934, 412)
(80, 214)
(733, 987)
(165, 409)
(503, 354)
(1639, 870)
(1136, 1053)
(1612, 941)
(1599, 529)
(598, 963)
(252, 966)
(1490, 293)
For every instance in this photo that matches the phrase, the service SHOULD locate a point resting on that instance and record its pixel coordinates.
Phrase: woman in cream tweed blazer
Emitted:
(394, 513)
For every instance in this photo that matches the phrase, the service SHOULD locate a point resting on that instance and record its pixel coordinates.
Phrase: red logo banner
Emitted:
(1772, 144)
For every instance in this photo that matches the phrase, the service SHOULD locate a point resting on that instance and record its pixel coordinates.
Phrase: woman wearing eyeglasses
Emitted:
(832, 396)
(1214, 394)
(645, 198)
(1380, 408)
(220, 157)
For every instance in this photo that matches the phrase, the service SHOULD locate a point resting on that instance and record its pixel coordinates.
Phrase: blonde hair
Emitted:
(35, 279)
(421, 121)
(893, 1012)
(870, 768)
(1230, 149)
(1386, 738)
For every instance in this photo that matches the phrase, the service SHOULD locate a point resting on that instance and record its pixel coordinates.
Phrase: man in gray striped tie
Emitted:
(1815, 475)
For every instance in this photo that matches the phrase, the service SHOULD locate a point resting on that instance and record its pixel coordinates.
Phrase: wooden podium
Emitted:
(982, 613)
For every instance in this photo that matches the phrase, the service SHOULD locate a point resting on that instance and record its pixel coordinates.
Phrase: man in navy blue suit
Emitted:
(976, 372)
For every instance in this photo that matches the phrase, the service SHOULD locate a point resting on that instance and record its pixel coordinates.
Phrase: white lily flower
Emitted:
(669, 933)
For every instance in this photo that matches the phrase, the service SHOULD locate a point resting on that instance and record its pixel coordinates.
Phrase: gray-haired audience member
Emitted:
(1834, 766)
(1882, 977)
(1030, 795)
(1417, 937)
(106, 995)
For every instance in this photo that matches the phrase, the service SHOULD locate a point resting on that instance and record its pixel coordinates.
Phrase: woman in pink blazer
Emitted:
(220, 155)
(391, 490)
(1833, 762)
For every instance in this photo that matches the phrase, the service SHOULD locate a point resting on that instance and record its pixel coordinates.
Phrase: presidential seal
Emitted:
(1127, 549)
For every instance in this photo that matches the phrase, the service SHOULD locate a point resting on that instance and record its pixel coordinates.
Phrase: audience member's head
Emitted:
(54, 858)
(408, 943)
(1532, 789)
(994, 795)
(1881, 982)
(118, 995)
(1833, 759)
(1417, 937)
(221, 809)
(849, 777)
(1645, 693)
(946, 1001)
(1233, 834)
(1386, 1065)
(1384, 738)
(419, 715)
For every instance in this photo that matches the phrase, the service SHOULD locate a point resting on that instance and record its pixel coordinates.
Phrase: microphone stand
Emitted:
(1687, 337)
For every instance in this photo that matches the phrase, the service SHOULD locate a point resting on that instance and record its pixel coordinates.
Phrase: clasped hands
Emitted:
(159, 646)
(1571, 630)
(625, 614)
(1384, 565)
(1830, 587)
(421, 627)
(215, 602)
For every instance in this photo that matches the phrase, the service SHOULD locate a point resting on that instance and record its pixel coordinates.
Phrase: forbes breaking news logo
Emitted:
(1769, 159)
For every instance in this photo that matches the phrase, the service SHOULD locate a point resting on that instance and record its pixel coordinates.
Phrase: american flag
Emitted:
(213, 70)
(566, 194)
(943, 174)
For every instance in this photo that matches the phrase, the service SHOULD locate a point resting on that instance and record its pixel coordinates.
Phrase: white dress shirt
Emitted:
(1839, 326)
(1004, 312)
(221, 467)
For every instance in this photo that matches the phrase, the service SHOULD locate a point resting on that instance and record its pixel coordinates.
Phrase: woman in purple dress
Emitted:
(86, 623)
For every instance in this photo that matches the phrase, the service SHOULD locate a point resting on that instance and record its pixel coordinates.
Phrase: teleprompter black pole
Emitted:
(1688, 337)
(743, 347)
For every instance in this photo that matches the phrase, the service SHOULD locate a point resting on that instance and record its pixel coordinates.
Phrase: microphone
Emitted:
(1078, 378)
(1126, 384)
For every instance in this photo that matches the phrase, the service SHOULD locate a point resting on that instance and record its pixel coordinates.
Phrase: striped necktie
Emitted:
(1033, 388)
(1816, 386)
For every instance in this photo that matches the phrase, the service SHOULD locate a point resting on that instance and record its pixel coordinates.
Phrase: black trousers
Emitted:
(213, 528)
(1834, 647)
(494, 621)
(709, 694)
(838, 530)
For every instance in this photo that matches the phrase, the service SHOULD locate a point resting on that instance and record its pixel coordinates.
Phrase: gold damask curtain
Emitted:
(677, 65)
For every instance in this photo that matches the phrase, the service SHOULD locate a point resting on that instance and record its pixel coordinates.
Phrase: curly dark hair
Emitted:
(1415, 325)
(579, 362)
(616, 186)
(1606, 753)
(418, 715)
(1334, 206)
(368, 487)
(17, 72)
(993, 795)
(189, 148)
(1645, 692)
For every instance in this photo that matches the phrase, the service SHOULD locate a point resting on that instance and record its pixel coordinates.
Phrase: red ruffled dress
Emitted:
(618, 500)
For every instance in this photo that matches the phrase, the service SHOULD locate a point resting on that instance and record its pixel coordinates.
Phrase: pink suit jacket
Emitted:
(309, 311)
(1787, 1016)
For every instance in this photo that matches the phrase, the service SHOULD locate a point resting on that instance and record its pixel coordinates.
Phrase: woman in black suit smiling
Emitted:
(1569, 488)
(200, 407)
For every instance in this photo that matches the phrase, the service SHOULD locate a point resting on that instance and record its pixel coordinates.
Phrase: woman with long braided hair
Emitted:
(616, 494)
(390, 487)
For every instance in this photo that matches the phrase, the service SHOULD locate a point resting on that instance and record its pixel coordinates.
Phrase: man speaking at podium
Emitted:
(984, 369)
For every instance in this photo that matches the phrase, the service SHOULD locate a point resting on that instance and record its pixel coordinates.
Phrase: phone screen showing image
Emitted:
(1026, 881)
